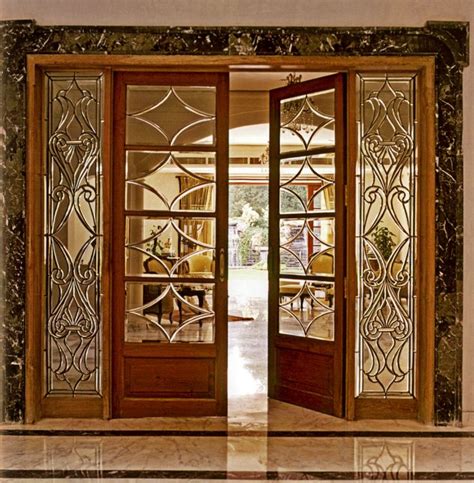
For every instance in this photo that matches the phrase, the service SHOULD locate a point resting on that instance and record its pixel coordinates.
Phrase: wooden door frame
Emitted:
(36, 405)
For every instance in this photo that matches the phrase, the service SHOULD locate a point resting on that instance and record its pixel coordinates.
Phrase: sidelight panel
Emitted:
(386, 236)
(72, 236)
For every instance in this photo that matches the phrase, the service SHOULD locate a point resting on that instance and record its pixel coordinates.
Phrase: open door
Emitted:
(307, 248)
(170, 241)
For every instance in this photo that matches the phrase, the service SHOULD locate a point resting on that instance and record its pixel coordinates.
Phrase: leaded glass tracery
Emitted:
(386, 236)
(170, 208)
(72, 232)
(307, 227)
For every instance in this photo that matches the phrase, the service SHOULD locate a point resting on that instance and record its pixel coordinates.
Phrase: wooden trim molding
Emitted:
(38, 63)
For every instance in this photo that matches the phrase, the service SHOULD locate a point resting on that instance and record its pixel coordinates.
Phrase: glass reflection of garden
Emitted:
(248, 225)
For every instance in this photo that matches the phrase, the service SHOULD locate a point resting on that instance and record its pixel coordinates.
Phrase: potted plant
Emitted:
(383, 240)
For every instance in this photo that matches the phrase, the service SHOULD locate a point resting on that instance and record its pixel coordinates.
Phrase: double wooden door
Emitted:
(170, 224)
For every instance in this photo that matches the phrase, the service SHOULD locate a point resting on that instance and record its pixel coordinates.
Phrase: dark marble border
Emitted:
(237, 434)
(239, 475)
(447, 41)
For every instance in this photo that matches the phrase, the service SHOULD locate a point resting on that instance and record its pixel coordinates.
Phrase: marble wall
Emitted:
(446, 40)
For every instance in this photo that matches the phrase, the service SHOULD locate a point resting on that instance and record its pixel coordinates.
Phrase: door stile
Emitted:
(107, 240)
(352, 144)
(273, 255)
(221, 276)
(118, 229)
(342, 196)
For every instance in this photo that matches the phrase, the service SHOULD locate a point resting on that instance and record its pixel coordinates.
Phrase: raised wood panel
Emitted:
(156, 407)
(305, 399)
(184, 378)
(306, 372)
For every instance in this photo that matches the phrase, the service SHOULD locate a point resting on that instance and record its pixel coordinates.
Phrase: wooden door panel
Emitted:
(307, 244)
(306, 371)
(165, 377)
(170, 215)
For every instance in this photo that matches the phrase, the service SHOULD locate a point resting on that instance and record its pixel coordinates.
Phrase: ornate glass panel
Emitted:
(386, 236)
(307, 217)
(307, 184)
(170, 247)
(307, 308)
(309, 120)
(169, 312)
(170, 181)
(72, 232)
(306, 246)
(171, 115)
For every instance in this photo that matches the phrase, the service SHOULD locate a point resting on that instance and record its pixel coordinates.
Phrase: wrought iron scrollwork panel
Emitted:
(386, 236)
(72, 233)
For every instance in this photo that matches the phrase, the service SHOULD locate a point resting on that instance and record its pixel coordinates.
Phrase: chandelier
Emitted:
(297, 114)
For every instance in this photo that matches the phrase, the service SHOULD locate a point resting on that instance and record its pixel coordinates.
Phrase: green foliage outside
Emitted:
(248, 205)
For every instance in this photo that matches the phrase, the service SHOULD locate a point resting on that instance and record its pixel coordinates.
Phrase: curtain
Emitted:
(199, 200)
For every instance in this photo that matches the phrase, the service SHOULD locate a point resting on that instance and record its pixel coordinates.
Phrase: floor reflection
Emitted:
(385, 459)
(207, 457)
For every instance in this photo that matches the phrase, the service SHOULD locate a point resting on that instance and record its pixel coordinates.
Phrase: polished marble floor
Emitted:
(260, 439)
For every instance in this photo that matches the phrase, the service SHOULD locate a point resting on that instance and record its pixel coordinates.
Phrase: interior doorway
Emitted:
(304, 313)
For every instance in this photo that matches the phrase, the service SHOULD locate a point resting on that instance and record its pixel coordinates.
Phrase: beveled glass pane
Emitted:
(309, 120)
(386, 227)
(169, 313)
(170, 181)
(307, 184)
(72, 233)
(174, 247)
(322, 262)
(306, 309)
(170, 115)
(306, 246)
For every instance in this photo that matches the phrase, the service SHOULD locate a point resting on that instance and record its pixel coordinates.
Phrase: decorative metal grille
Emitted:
(72, 232)
(386, 236)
